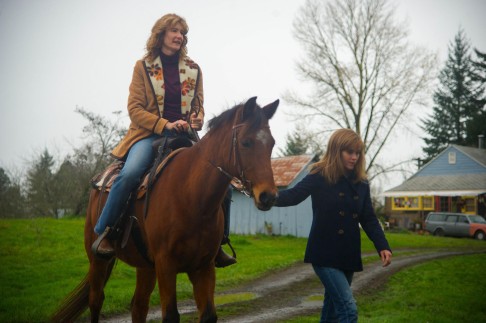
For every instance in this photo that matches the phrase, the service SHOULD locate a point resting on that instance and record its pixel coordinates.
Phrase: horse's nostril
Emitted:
(267, 198)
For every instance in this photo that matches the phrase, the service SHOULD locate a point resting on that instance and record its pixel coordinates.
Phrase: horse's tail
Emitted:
(74, 304)
(77, 301)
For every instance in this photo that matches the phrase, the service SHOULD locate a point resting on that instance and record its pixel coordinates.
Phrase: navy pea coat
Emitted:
(334, 239)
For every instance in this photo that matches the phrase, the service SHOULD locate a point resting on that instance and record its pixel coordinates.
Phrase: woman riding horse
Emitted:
(180, 230)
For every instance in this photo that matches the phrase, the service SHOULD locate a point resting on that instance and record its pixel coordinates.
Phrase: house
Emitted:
(295, 220)
(454, 181)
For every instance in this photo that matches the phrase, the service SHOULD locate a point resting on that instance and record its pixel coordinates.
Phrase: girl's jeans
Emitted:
(339, 304)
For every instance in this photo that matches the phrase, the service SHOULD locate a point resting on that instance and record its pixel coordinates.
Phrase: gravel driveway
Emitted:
(288, 293)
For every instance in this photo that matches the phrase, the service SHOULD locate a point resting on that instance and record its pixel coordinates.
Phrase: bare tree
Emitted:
(364, 74)
(103, 135)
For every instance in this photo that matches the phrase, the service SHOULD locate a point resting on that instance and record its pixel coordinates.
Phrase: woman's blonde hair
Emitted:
(331, 165)
(156, 39)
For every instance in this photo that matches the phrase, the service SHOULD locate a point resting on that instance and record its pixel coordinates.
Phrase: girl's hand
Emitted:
(386, 256)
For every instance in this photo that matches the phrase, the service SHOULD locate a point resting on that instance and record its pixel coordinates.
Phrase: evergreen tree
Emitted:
(477, 125)
(479, 64)
(455, 100)
(41, 192)
(301, 142)
(11, 199)
(297, 144)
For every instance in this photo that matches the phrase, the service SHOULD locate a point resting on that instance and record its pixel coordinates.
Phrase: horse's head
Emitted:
(251, 149)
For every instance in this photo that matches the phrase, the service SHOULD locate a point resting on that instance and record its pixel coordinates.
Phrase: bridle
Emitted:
(239, 182)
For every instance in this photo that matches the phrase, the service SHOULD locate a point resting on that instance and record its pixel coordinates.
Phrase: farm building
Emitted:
(294, 221)
(454, 181)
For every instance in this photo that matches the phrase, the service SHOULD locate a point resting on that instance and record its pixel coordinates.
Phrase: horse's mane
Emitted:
(228, 116)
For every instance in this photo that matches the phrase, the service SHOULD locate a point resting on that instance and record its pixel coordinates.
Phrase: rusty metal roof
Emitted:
(286, 169)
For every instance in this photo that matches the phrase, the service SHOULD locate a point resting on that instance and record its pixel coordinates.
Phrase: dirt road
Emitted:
(288, 293)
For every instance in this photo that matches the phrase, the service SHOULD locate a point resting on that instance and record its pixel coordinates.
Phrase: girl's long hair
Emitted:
(331, 166)
(156, 39)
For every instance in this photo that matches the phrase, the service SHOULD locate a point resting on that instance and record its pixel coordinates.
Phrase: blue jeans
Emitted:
(339, 304)
(139, 159)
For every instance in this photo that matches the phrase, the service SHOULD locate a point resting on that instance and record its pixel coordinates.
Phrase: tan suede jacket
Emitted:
(144, 112)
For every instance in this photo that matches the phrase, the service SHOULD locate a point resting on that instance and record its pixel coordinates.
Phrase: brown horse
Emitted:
(183, 225)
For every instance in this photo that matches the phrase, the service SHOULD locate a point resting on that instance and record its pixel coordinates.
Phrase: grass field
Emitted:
(440, 291)
(42, 260)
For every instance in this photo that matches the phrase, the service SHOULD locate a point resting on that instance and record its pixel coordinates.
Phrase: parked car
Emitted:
(456, 225)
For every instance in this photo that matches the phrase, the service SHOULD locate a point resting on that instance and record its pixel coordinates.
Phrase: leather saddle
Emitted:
(165, 148)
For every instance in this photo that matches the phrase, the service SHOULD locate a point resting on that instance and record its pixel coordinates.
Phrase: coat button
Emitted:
(341, 194)
(341, 213)
(355, 215)
(356, 197)
(341, 231)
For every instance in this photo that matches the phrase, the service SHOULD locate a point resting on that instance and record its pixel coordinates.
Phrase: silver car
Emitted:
(456, 225)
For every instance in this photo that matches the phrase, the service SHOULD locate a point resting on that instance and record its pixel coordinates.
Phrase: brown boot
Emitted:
(102, 247)
(223, 259)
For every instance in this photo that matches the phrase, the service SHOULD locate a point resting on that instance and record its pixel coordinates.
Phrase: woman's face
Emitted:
(349, 158)
(173, 39)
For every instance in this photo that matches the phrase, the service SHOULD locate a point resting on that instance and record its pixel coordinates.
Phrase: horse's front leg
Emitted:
(143, 290)
(167, 277)
(203, 282)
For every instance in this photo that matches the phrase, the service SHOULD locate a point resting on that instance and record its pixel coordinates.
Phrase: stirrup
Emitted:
(96, 245)
(223, 259)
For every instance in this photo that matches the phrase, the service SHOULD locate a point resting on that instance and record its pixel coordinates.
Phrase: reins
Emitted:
(239, 182)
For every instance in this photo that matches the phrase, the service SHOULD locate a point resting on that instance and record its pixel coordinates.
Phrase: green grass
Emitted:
(42, 260)
(448, 290)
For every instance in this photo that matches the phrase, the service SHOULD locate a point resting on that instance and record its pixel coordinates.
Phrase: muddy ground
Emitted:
(292, 292)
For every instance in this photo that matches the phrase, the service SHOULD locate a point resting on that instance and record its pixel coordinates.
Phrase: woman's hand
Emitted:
(386, 256)
(196, 123)
(177, 126)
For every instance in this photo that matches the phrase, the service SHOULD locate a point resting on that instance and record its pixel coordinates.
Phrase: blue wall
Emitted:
(441, 166)
(247, 219)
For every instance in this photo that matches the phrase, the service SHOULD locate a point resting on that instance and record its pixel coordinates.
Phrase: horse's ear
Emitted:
(249, 107)
(269, 109)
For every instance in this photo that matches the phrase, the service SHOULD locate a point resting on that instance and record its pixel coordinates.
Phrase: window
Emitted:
(428, 203)
(437, 217)
(413, 202)
(463, 219)
(452, 157)
(452, 218)
(444, 203)
(399, 202)
(470, 205)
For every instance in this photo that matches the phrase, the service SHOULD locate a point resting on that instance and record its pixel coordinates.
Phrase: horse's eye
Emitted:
(247, 143)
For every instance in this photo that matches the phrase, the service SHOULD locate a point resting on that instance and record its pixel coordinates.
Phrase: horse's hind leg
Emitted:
(99, 272)
(203, 282)
(143, 290)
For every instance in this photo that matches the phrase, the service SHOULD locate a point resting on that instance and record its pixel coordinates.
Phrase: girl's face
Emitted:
(349, 158)
(173, 39)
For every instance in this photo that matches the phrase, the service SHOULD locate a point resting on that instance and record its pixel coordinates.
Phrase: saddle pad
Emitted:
(104, 180)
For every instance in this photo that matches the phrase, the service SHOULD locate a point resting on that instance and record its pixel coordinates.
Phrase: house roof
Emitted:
(440, 185)
(452, 184)
(476, 154)
(286, 169)
(479, 155)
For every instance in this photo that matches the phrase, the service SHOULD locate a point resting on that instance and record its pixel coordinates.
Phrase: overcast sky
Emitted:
(59, 54)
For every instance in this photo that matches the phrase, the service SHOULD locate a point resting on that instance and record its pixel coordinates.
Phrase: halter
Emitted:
(239, 182)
